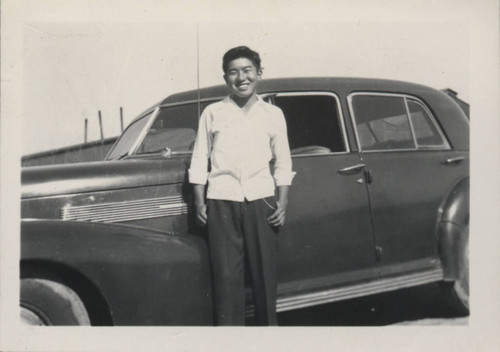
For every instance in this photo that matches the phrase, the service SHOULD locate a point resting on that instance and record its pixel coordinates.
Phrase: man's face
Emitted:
(242, 77)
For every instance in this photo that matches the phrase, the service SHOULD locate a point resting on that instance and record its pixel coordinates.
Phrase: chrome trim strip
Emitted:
(352, 168)
(402, 95)
(339, 110)
(126, 211)
(410, 122)
(319, 154)
(389, 150)
(455, 160)
(353, 121)
(354, 291)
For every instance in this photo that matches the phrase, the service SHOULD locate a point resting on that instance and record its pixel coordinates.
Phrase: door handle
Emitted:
(351, 169)
(456, 160)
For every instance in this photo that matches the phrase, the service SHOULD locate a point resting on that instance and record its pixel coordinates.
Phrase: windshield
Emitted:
(173, 130)
(128, 138)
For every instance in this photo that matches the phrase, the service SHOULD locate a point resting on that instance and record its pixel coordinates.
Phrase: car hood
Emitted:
(41, 181)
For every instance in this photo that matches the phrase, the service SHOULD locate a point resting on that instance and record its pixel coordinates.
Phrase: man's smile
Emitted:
(243, 85)
(242, 77)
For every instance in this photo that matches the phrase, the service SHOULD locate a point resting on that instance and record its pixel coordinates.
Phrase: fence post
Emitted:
(121, 118)
(85, 131)
(102, 135)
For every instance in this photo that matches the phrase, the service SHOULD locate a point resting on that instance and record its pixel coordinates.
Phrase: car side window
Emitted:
(382, 122)
(394, 122)
(313, 122)
(426, 131)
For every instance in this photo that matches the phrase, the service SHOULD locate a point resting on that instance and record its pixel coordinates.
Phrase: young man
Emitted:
(240, 135)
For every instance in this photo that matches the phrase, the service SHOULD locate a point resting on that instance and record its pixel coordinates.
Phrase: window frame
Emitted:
(339, 114)
(444, 146)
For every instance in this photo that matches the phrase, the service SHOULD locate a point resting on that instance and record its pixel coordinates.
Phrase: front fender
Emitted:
(147, 277)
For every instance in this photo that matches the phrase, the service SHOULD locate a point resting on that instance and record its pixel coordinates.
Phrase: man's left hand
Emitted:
(277, 219)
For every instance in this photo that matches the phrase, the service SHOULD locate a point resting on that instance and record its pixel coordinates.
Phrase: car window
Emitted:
(128, 138)
(394, 122)
(382, 122)
(426, 131)
(313, 122)
(174, 128)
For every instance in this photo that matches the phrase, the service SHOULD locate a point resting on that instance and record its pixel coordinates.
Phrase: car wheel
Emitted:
(45, 302)
(457, 292)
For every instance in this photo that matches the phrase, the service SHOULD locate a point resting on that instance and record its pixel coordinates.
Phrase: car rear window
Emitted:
(394, 122)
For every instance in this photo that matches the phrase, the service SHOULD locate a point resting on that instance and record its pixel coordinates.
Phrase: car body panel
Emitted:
(328, 231)
(453, 229)
(381, 225)
(406, 191)
(146, 277)
(44, 181)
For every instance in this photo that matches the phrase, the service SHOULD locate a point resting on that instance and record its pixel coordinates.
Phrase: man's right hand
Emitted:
(201, 214)
(199, 204)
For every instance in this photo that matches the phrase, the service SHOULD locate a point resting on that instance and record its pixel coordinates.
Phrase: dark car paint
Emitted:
(73, 178)
(406, 191)
(344, 232)
(328, 231)
(453, 225)
(133, 268)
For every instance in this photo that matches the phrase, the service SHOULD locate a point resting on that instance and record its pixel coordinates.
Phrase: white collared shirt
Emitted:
(240, 146)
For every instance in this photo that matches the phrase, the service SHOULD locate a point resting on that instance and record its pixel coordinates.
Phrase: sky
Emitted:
(73, 69)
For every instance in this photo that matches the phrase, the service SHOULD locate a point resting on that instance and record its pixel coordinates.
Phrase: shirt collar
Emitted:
(228, 100)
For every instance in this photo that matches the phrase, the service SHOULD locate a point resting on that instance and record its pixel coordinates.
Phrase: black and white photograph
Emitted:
(215, 176)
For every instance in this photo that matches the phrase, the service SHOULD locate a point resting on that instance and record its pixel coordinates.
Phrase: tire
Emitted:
(457, 291)
(45, 302)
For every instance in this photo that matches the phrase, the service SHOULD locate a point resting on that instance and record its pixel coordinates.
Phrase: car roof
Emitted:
(344, 85)
(450, 115)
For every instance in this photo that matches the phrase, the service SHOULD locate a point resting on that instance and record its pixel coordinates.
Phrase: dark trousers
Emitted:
(239, 235)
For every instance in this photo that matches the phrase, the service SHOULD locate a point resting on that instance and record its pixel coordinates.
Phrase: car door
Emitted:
(327, 240)
(412, 168)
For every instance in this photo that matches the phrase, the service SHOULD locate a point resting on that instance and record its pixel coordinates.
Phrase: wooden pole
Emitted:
(85, 130)
(100, 126)
(198, 66)
(102, 135)
(121, 118)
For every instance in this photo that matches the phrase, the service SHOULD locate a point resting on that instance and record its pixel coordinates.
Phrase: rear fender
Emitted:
(453, 229)
(146, 277)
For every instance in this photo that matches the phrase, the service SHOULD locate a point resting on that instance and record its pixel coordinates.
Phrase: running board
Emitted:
(360, 290)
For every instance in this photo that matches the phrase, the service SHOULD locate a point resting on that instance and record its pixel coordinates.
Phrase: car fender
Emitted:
(453, 229)
(145, 277)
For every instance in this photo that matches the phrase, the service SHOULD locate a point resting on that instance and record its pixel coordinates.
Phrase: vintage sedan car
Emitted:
(379, 203)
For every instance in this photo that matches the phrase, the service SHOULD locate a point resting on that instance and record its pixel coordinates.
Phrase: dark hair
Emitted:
(238, 53)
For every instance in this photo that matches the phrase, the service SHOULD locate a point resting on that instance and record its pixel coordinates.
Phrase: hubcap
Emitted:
(29, 317)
